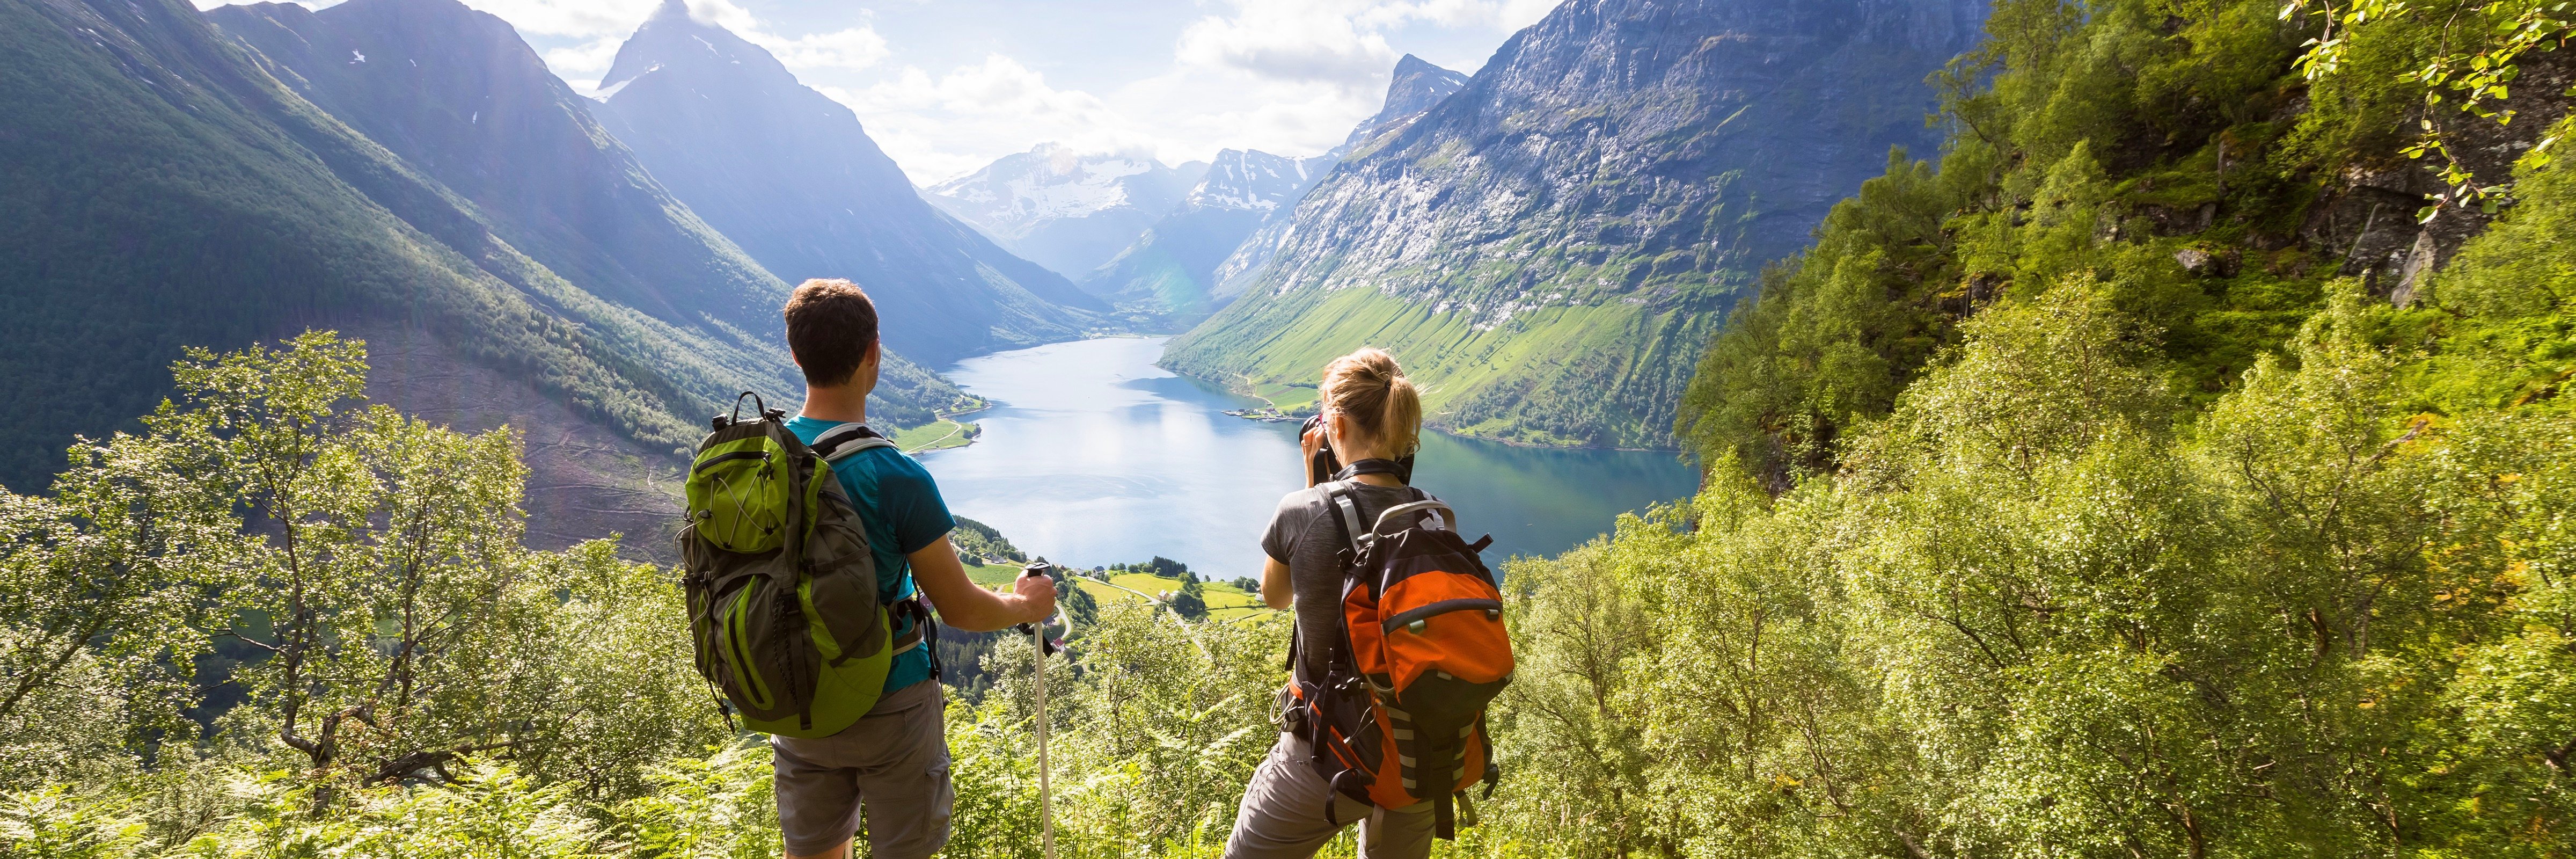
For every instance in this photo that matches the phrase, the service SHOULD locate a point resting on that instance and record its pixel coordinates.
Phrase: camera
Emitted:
(1326, 464)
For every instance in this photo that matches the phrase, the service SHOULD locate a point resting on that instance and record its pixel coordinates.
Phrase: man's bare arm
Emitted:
(966, 606)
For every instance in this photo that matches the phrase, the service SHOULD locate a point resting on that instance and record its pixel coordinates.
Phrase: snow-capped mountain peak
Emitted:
(1063, 208)
(1256, 180)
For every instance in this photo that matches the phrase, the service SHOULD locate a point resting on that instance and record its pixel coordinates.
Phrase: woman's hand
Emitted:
(1307, 444)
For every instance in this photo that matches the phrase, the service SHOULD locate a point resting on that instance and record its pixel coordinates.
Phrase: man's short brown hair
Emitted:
(830, 325)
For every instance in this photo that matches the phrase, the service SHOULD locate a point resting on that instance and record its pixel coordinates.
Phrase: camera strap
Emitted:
(1375, 466)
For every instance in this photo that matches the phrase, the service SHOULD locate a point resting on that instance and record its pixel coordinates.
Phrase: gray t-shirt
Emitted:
(1303, 536)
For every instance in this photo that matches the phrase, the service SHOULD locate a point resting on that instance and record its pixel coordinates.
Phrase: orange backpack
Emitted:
(1399, 717)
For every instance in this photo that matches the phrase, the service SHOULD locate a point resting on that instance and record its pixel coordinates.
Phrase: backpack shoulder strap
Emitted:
(839, 442)
(1354, 533)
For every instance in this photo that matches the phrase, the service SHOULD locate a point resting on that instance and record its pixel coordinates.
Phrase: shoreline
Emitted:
(1272, 414)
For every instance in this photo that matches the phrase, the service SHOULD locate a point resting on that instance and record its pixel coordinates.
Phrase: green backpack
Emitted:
(782, 586)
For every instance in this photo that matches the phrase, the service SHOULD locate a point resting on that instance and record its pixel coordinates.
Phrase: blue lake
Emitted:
(1092, 455)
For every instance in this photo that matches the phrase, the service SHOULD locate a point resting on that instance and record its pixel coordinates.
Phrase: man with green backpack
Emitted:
(809, 597)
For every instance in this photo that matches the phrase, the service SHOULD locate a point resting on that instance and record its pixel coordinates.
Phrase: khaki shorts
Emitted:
(894, 763)
(1283, 814)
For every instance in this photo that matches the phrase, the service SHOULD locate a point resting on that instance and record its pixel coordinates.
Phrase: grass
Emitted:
(941, 434)
(1226, 603)
(1596, 374)
(992, 575)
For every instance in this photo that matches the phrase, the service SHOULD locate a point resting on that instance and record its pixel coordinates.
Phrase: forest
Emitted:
(2076, 494)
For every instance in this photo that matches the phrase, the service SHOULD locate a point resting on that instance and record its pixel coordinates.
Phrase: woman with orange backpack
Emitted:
(1398, 642)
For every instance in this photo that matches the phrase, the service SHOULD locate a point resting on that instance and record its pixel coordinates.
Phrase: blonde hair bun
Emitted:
(1369, 386)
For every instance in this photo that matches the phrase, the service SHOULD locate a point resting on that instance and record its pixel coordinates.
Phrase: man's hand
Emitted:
(1036, 592)
(968, 606)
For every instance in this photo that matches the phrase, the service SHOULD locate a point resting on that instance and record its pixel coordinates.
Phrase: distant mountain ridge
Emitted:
(1169, 273)
(1549, 249)
(793, 177)
(485, 118)
(1063, 209)
(160, 187)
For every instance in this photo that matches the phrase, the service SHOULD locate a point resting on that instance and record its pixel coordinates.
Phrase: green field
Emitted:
(992, 575)
(940, 434)
(1225, 602)
(1600, 374)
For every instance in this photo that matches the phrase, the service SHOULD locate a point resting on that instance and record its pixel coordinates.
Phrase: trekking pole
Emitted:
(1045, 648)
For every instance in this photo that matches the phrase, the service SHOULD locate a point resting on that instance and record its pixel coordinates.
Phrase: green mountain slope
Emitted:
(2182, 161)
(2159, 476)
(1580, 216)
(456, 94)
(159, 189)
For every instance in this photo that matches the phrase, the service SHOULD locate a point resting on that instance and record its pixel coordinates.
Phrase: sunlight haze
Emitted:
(947, 87)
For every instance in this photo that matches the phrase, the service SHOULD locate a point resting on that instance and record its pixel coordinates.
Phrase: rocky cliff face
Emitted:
(1549, 248)
(1063, 209)
(1416, 87)
(791, 176)
(1168, 275)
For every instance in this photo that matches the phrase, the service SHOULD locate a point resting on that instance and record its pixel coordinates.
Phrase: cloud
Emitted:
(944, 125)
(854, 48)
(1343, 42)
(1291, 41)
(582, 65)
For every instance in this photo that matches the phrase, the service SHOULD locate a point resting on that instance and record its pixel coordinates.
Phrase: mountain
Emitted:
(1549, 249)
(1235, 218)
(456, 94)
(1170, 271)
(793, 177)
(1416, 87)
(1063, 209)
(160, 188)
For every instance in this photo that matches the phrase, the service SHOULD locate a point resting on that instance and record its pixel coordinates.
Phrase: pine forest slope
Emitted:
(159, 189)
(2155, 474)
(2178, 159)
(1549, 249)
(791, 176)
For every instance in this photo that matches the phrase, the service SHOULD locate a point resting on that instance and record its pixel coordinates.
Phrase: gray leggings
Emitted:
(1283, 814)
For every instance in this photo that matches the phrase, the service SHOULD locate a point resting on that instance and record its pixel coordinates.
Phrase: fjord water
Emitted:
(1093, 456)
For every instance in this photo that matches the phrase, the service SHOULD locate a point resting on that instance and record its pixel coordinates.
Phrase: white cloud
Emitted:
(1291, 41)
(582, 64)
(954, 123)
(1337, 41)
(1289, 77)
(854, 48)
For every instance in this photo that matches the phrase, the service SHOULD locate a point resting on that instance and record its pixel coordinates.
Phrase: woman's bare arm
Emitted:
(1276, 592)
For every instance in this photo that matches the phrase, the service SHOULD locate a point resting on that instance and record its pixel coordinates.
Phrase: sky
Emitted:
(947, 86)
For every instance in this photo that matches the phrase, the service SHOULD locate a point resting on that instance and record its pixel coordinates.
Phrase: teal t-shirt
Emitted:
(901, 508)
